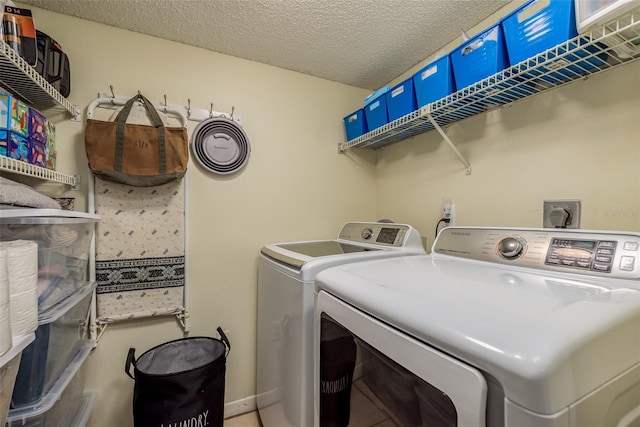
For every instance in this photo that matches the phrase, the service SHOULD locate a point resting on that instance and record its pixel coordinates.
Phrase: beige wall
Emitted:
(295, 186)
(581, 141)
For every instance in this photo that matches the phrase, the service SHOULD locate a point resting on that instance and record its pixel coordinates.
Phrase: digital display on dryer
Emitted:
(387, 235)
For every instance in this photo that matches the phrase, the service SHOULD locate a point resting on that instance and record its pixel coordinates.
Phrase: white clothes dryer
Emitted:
(497, 327)
(286, 287)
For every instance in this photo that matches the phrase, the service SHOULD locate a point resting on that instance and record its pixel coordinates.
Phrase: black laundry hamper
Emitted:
(337, 363)
(180, 382)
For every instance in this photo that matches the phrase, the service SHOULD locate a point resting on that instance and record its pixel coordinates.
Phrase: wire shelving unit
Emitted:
(605, 47)
(23, 80)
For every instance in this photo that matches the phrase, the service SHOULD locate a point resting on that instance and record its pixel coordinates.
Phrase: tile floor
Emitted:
(250, 419)
(367, 411)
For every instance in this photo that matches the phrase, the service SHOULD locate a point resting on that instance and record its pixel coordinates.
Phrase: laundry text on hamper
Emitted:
(201, 421)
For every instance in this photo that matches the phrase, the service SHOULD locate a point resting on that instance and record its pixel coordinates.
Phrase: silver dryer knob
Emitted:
(511, 247)
(366, 233)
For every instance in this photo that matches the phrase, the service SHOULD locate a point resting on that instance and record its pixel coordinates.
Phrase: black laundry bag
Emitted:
(337, 362)
(180, 382)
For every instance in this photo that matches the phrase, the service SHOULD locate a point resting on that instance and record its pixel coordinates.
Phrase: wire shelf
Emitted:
(604, 47)
(22, 79)
(8, 164)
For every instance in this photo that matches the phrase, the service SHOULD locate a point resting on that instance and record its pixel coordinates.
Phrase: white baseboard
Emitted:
(238, 407)
(249, 404)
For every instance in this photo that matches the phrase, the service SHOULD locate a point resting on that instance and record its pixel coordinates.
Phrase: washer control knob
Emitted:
(366, 233)
(511, 247)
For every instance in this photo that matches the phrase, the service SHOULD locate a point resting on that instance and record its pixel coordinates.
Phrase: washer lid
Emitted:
(297, 254)
(220, 145)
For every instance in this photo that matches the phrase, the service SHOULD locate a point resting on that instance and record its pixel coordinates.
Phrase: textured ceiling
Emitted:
(364, 43)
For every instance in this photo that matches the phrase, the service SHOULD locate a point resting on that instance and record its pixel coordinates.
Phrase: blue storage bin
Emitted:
(539, 25)
(479, 57)
(376, 113)
(355, 124)
(434, 81)
(401, 100)
(373, 95)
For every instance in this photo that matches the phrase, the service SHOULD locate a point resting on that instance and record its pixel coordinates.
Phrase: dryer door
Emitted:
(367, 372)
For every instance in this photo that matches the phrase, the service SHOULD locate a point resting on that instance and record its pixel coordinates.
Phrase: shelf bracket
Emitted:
(448, 141)
(96, 330)
(183, 319)
(76, 114)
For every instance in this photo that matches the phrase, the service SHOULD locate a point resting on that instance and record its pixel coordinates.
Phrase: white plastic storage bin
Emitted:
(8, 374)
(60, 405)
(62, 331)
(83, 413)
(63, 239)
(9, 363)
(590, 13)
(600, 17)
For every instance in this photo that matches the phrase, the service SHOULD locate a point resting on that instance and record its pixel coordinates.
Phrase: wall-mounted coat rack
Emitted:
(104, 100)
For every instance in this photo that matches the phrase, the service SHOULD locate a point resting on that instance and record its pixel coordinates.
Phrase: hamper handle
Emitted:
(225, 341)
(131, 360)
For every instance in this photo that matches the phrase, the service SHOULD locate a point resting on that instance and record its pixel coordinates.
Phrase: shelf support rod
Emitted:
(448, 141)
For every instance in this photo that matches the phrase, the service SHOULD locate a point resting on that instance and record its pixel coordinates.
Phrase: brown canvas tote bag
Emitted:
(133, 154)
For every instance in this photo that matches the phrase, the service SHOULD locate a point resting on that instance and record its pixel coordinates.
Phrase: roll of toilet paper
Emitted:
(4, 277)
(22, 271)
(24, 313)
(5, 317)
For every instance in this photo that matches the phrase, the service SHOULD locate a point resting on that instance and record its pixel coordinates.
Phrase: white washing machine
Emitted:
(286, 280)
(497, 327)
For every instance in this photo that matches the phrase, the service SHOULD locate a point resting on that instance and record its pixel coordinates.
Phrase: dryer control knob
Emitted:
(366, 233)
(511, 247)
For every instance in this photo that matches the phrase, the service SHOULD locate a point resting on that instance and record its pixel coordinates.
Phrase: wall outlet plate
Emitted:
(553, 210)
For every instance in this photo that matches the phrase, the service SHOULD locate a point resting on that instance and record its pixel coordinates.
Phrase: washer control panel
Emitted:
(385, 234)
(511, 247)
(597, 253)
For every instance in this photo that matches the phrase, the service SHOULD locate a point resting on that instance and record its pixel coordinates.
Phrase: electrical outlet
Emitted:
(561, 214)
(449, 212)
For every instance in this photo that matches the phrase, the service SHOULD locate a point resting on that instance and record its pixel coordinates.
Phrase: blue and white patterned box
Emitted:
(19, 147)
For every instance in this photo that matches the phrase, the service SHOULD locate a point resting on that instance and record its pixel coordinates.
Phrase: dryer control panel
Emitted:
(597, 253)
(385, 234)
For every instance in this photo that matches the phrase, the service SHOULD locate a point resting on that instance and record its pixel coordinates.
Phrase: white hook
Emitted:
(211, 111)
(113, 95)
(188, 107)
